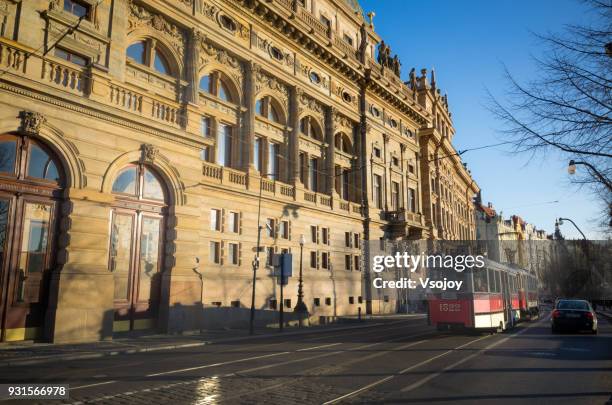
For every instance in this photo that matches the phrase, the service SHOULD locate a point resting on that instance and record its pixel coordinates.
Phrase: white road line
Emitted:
(383, 380)
(250, 370)
(318, 347)
(92, 385)
(250, 358)
(471, 356)
(216, 364)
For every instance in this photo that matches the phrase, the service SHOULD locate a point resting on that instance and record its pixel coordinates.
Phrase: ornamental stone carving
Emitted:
(31, 121)
(265, 81)
(341, 121)
(209, 52)
(307, 103)
(149, 153)
(142, 18)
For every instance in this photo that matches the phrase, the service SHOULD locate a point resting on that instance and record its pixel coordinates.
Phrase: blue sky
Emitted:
(468, 42)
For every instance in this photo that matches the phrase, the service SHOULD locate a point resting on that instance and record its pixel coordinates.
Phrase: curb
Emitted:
(90, 355)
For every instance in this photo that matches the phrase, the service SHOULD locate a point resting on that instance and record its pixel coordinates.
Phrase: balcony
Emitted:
(237, 180)
(402, 223)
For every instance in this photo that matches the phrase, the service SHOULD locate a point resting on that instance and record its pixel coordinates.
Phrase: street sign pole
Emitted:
(282, 304)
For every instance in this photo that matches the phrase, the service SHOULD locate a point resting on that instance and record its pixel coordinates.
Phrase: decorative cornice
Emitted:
(101, 115)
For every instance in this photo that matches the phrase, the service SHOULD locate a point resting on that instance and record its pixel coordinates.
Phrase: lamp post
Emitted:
(300, 307)
(560, 222)
(571, 169)
(256, 259)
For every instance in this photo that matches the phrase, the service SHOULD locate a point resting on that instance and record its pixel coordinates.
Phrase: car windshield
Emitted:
(583, 305)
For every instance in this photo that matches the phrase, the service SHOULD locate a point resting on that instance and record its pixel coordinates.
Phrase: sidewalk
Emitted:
(26, 353)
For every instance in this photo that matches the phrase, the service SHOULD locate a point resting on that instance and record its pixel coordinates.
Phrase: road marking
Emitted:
(383, 380)
(250, 370)
(318, 347)
(92, 385)
(216, 364)
(471, 356)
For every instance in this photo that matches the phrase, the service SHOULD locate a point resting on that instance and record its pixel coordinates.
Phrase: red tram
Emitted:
(494, 297)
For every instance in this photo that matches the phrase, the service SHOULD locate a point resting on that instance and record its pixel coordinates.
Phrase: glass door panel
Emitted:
(121, 247)
(149, 257)
(33, 251)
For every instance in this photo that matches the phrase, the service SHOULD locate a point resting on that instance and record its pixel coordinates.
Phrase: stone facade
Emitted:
(241, 113)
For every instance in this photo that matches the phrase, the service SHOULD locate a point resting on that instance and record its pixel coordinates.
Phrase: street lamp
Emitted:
(571, 169)
(256, 258)
(300, 307)
(560, 222)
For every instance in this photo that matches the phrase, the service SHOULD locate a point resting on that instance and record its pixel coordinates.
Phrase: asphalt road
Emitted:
(393, 361)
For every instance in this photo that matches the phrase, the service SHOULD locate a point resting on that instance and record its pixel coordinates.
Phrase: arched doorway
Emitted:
(136, 241)
(31, 182)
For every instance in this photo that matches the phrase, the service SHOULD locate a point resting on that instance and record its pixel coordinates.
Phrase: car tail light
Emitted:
(556, 313)
(589, 315)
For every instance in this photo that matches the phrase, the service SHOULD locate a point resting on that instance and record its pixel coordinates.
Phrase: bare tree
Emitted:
(567, 106)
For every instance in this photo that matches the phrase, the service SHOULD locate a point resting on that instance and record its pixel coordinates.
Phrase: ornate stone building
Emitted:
(143, 142)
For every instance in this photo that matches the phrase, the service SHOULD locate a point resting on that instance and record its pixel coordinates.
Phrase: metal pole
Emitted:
(301, 287)
(256, 263)
(280, 315)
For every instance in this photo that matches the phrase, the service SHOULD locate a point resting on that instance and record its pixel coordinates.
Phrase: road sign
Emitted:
(283, 267)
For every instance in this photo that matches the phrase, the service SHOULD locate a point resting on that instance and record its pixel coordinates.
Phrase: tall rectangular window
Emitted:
(213, 253)
(257, 154)
(345, 184)
(377, 191)
(271, 227)
(224, 145)
(215, 220)
(314, 234)
(313, 171)
(325, 236)
(325, 260)
(284, 229)
(347, 239)
(205, 127)
(395, 196)
(313, 260)
(270, 256)
(412, 200)
(234, 222)
(347, 262)
(233, 253)
(303, 168)
(273, 151)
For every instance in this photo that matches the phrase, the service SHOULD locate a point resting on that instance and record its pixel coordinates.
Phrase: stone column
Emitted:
(330, 157)
(294, 138)
(191, 67)
(248, 127)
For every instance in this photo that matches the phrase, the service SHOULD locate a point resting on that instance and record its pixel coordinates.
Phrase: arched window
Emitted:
(161, 64)
(41, 165)
(205, 84)
(310, 128)
(224, 93)
(215, 84)
(343, 143)
(37, 163)
(136, 52)
(266, 107)
(149, 54)
(138, 182)
(273, 113)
